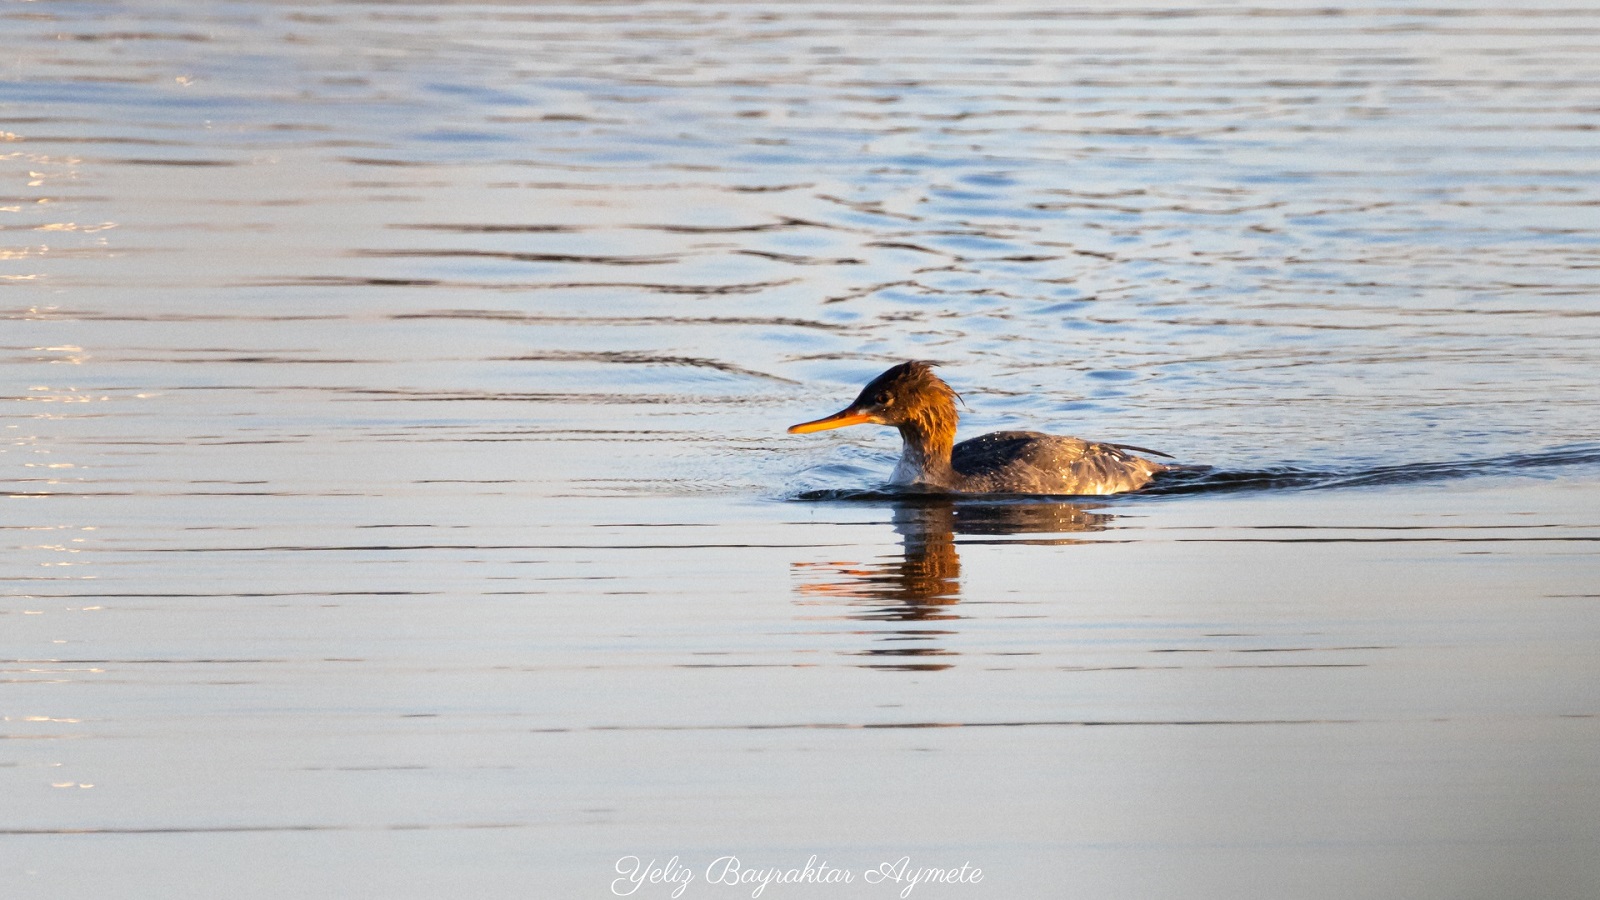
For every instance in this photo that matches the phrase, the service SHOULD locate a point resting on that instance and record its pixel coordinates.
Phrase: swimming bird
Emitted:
(913, 399)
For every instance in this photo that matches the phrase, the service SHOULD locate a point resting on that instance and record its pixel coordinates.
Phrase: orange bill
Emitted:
(837, 420)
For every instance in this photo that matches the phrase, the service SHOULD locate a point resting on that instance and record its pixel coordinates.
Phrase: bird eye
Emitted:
(888, 400)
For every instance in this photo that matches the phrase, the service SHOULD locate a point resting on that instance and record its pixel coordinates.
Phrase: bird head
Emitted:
(907, 395)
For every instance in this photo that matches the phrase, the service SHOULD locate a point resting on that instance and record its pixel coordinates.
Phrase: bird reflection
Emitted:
(922, 584)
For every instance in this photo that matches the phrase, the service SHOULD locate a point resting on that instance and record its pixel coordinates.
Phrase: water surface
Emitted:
(398, 500)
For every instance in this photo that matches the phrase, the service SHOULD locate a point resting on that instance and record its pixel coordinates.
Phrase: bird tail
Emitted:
(1143, 450)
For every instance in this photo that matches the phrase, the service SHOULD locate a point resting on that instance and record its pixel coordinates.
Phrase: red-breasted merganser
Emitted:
(913, 399)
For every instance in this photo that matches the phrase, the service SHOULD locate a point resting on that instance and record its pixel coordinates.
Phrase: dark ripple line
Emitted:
(119, 595)
(358, 281)
(634, 358)
(784, 223)
(174, 162)
(520, 257)
(234, 829)
(798, 260)
(409, 547)
(1577, 538)
(494, 315)
(171, 662)
(1025, 723)
(509, 315)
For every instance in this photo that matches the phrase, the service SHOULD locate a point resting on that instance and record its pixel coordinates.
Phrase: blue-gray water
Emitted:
(399, 505)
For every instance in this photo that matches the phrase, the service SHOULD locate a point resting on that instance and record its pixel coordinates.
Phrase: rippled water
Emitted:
(399, 501)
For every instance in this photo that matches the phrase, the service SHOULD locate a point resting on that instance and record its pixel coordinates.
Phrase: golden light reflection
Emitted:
(74, 355)
(46, 394)
(74, 226)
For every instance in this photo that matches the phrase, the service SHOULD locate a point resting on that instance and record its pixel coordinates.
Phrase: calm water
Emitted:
(399, 504)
